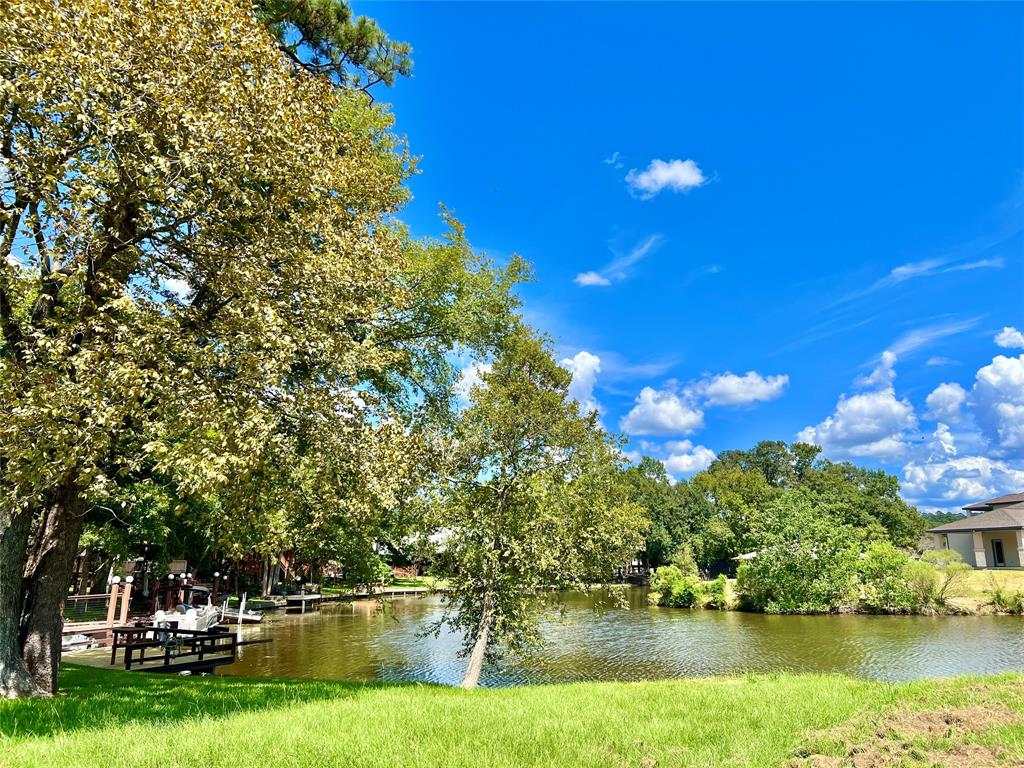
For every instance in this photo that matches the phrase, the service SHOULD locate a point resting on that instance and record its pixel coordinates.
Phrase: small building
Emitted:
(991, 536)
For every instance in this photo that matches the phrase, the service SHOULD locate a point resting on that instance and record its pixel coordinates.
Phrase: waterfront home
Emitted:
(991, 536)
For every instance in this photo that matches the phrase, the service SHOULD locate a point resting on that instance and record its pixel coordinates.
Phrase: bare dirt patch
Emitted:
(914, 737)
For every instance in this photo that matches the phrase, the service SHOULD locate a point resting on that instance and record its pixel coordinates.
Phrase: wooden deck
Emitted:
(175, 650)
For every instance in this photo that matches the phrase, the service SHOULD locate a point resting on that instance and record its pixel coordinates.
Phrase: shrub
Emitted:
(683, 560)
(806, 564)
(952, 571)
(924, 582)
(674, 589)
(884, 583)
(1004, 600)
(671, 588)
(716, 593)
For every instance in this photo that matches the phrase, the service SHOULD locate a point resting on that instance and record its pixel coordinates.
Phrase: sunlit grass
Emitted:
(977, 583)
(112, 718)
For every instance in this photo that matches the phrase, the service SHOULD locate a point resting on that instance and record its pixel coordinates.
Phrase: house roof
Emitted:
(1010, 498)
(1002, 518)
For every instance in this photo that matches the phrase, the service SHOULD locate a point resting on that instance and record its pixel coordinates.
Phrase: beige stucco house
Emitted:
(991, 536)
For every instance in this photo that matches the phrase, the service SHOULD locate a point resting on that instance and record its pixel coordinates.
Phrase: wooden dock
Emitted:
(175, 650)
(302, 601)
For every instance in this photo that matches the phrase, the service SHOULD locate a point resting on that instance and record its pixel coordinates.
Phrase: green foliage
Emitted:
(676, 512)
(924, 582)
(716, 593)
(326, 38)
(528, 493)
(933, 519)
(714, 543)
(740, 500)
(867, 499)
(672, 588)
(683, 560)
(952, 572)
(806, 563)
(779, 464)
(884, 586)
(723, 512)
(1004, 600)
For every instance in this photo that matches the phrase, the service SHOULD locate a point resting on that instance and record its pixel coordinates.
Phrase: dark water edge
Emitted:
(361, 642)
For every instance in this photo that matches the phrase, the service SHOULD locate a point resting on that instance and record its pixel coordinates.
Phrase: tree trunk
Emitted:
(15, 680)
(49, 575)
(483, 637)
(265, 571)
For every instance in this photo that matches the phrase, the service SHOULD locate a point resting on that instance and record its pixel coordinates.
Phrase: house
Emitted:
(991, 536)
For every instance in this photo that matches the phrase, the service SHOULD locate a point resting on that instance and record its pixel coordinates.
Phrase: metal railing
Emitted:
(86, 608)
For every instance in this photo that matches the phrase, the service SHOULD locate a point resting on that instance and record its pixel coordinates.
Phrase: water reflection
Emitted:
(357, 641)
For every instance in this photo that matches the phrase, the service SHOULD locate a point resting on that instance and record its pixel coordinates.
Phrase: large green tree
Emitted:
(195, 257)
(679, 513)
(529, 494)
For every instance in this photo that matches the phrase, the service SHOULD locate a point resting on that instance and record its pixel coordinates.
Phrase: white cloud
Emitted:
(661, 412)
(470, 376)
(869, 424)
(938, 360)
(944, 439)
(883, 374)
(677, 175)
(945, 401)
(953, 482)
(929, 267)
(615, 161)
(998, 402)
(925, 268)
(1010, 338)
(617, 268)
(685, 458)
(584, 368)
(729, 389)
(917, 338)
(591, 278)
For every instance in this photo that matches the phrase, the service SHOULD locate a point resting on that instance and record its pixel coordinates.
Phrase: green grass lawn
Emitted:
(111, 718)
(978, 582)
(972, 595)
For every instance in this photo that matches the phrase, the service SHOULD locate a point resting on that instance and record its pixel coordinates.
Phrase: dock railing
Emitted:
(96, 615)
(176, 649)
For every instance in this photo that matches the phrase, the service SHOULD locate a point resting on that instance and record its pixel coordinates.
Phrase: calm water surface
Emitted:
(358, 641)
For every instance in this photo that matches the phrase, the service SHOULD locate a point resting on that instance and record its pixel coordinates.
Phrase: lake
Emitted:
(358, 641)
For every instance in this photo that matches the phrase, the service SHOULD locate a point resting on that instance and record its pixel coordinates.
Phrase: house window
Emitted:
(998, 560)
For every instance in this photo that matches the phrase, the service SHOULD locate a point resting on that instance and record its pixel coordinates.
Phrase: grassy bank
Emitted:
(111, 718)
(971, 594)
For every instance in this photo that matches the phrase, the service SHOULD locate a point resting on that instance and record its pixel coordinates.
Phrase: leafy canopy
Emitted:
(529, 494)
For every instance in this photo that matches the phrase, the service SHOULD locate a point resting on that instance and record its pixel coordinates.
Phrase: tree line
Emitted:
(729, 509)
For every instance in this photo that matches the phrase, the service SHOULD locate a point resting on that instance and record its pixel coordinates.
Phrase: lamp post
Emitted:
(216, 586)
(168, 601)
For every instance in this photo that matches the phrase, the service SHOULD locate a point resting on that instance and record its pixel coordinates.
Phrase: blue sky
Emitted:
(749, 221)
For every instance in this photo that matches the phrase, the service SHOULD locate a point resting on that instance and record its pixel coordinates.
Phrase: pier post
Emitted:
(126, 598)
(112, 602)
